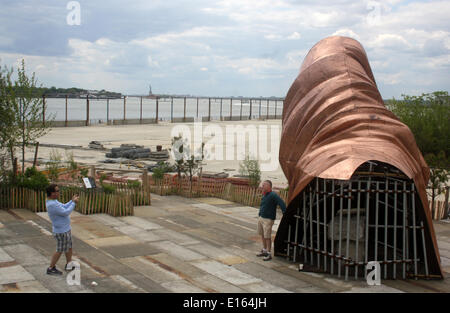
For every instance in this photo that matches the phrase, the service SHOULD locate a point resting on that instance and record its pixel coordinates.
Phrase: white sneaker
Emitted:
(262, 253)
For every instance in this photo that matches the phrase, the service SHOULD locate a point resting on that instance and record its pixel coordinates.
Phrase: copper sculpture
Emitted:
(335, 120)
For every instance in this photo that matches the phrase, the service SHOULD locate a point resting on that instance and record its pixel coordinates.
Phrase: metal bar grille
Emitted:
(340, 226)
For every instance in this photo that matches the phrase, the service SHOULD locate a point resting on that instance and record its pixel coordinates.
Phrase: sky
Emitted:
(220, 48)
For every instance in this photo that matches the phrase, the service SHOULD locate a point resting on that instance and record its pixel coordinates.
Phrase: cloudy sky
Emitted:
(221, 48)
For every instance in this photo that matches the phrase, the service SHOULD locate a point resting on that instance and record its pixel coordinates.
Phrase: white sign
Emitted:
(87, 183)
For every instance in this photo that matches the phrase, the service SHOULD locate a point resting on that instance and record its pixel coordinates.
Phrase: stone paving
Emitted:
(175, 245)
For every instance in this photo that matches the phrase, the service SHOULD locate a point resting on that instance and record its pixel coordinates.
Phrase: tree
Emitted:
(31, 111)
(158, 173)
(6, 120)
(24, 110)
(193, 165)
(178, 145)
(428, 117)
(186, 162)
(439, 175)
(250, 167)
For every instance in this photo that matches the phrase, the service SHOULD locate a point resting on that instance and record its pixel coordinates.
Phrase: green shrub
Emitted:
(54, 165)
(109, 189)
(32, 179)
(250, 168)
(134, 184)
(160, 170)
(71, 164)
(102, 178)
(83, 173)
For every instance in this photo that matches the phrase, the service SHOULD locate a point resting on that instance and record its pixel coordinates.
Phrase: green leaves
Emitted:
(32, 179)
(250, 167)
(160, 170)
(185, 161)
(428, 117)
(21, 111)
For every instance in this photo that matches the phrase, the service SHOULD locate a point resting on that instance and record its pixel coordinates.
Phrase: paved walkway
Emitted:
(174, 245)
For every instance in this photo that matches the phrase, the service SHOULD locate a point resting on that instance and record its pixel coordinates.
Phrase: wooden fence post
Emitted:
(446, 207)
(276, 102)
(157, 109)
(36, 154)
(145, 179)
(140, 118)
(66, 120)
(93, 171)
(124, 108)
(87, 110)
(184, 114)
(240, 114)
(259, 116)
(209, 109)
(171, 110)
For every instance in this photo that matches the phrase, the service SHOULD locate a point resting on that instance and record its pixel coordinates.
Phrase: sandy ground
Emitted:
(151, 135)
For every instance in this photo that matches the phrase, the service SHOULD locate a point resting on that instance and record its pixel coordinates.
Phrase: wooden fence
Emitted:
(209, 187)
(119, 203)
(139, 195)
(22, 198)
(440, 210)
(243, 194)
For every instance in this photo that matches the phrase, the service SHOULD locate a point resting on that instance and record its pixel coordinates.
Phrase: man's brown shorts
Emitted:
(265, 227)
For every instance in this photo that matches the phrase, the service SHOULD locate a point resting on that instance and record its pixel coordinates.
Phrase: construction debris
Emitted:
(158, 156)
(169, 168)
(134, 152)
(130, 146)
(129, 152)
(52, 145)
(206, 174)
(96, 145)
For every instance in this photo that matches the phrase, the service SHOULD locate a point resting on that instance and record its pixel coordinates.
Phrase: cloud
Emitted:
(391, 78)
(228, 47)
(390, 41)
(347, 33)
(294, 36)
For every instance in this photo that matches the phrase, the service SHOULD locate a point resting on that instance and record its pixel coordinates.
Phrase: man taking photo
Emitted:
(59, 214)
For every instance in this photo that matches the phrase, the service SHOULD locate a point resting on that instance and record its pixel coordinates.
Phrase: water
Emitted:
(76, 108)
